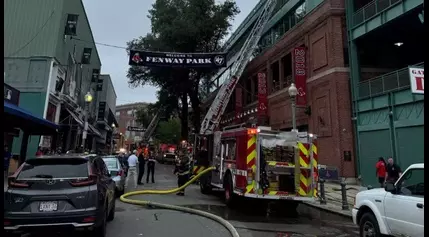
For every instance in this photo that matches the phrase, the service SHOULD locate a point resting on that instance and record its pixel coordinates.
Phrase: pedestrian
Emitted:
(182, 171)
(6, 158)
(380, 171)
(393, 171)
(142, 162)
(133, 161)
(150, 167)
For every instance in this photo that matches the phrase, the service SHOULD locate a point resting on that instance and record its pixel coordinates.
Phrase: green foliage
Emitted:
(168, 131)
(181, 26)
(144, 116)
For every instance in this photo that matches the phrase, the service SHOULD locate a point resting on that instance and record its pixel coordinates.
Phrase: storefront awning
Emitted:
(25, 120)
(94, 131)
(75, 117)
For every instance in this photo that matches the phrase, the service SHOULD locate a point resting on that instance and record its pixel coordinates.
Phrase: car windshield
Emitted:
(41, 168)
(111, 163)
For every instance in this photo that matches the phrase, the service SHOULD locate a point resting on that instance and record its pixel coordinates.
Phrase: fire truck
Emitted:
(262, 163)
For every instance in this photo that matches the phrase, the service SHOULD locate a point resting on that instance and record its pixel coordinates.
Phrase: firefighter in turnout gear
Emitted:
(182, 167)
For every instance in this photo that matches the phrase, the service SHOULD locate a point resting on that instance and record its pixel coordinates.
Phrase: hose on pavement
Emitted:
(218, 219)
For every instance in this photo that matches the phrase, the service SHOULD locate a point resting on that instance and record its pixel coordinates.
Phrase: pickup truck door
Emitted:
(404, 211)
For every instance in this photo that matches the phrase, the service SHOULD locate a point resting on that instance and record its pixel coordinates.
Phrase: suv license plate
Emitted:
(48, 206)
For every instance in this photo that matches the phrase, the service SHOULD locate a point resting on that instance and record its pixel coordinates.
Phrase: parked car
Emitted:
(62, 192)
(396, 210)
(167, 158)
(117, 172)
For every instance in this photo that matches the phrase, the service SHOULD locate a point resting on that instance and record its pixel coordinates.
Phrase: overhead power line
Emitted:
(34, 37)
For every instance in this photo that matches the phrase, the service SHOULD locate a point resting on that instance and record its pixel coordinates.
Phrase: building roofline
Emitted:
(122, 106)
(90, 31)
(110, 78)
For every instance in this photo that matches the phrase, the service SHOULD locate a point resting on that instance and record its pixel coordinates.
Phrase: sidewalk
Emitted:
(334, 200)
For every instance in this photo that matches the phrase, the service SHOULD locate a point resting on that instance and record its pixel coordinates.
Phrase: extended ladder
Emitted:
(151, 128)
(212, 118)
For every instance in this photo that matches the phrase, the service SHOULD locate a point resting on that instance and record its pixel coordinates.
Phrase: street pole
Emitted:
(88, 99)
(85, 127)
(111, 139)
(293, 92)
(293, 100)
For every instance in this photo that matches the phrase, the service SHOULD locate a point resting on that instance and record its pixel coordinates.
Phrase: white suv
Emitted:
(397, 210)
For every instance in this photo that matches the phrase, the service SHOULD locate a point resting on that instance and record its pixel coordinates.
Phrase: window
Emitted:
(300, 13)
(54, 168)
(111, 163)
(129, 112)
(229, 149)
(412, 183)
(118, 114)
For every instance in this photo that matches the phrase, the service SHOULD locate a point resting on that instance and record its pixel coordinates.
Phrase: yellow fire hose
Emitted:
(218, 219)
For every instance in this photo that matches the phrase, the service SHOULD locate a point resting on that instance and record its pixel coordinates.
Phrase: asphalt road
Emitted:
(251, 219)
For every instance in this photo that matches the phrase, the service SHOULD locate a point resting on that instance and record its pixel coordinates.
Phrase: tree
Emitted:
(168, 131)
(182, 26)
(144, 116)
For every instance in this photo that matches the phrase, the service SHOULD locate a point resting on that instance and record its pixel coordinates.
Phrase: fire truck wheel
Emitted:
(228, 191)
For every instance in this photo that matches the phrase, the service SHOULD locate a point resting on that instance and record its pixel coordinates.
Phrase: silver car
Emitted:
(117, 172)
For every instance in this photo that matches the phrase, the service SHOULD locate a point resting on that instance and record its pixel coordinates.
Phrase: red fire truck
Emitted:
(261, 163)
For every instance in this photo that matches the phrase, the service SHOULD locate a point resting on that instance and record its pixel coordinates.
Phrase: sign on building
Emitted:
(101, 111)
(299, 56)
(71, 25)
(417, 82)
(162, 59)
(135, 129)
(11, 94)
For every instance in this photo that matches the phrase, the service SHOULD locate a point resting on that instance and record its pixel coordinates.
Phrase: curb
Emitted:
(328, 210)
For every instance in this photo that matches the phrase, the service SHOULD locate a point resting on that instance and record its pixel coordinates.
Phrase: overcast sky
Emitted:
(116, 22)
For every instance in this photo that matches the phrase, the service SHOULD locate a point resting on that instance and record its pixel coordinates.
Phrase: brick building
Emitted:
(126, 117)
(320, 27)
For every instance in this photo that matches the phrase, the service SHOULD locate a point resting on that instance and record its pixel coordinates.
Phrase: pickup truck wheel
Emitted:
(368, 226)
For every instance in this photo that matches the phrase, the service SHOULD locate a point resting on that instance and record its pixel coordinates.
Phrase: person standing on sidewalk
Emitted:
(142, 162)
(133, 161)
(380, 171)
(393, 171)
(150, 167)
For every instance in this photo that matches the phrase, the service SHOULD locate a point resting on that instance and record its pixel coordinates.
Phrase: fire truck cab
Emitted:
(262, 163)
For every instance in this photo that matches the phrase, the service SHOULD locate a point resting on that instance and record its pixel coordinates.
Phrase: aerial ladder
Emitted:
(151, 128)
(217, 108)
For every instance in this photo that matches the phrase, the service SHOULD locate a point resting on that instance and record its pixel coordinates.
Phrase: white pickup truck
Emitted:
(396, 210)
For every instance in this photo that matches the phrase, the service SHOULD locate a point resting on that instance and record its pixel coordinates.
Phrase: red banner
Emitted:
(238, 103)
(299, 62)
(262, 95)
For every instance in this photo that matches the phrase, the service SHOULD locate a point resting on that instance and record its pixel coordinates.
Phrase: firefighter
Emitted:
(182, 169)
(150, 167)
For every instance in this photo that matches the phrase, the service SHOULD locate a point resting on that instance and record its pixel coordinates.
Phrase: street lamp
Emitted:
(293, 92)
(111, 140)
(88, 99)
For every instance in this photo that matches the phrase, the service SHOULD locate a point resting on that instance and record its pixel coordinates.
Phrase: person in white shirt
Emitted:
(132, 169)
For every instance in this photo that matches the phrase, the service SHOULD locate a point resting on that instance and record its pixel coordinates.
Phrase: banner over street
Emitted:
(162, 59)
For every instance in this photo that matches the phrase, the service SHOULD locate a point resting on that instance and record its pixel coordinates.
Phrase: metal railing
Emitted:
(392, 81)
(372, 9)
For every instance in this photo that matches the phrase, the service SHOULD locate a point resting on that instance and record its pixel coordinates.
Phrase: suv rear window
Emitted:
(111, 163)
(170, 155)
(54, 168)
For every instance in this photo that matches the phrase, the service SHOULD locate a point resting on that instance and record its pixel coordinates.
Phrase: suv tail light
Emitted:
(120, 173)
(13, 183)
(92, 179)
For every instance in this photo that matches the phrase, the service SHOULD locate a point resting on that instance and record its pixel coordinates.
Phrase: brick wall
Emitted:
(322, 32)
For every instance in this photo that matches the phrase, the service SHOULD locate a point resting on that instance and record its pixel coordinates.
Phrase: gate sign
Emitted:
(417, 80)
(163, 59)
